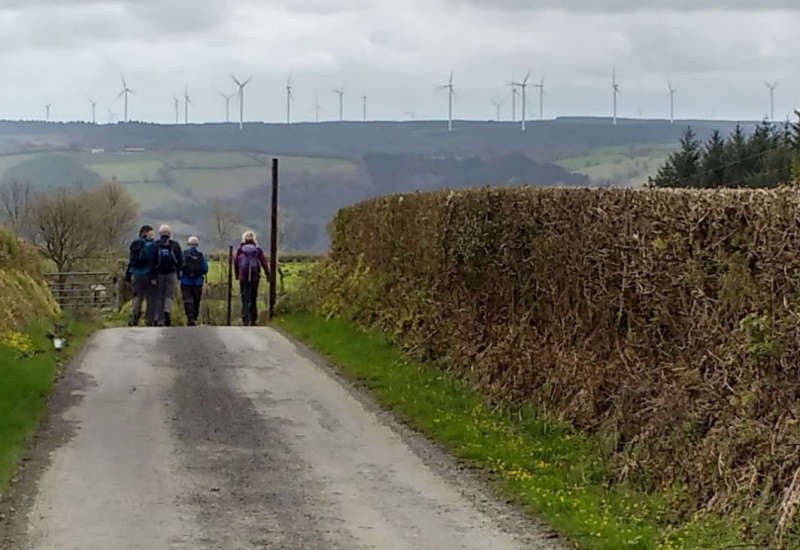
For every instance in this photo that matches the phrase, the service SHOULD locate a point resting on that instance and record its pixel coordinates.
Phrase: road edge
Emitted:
(471, 482)
(53, 432)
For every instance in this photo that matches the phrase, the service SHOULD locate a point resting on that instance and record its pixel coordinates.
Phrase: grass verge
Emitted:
(548, 468)
(28, 367)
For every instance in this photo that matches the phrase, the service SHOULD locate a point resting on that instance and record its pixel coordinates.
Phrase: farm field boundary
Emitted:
(662, 323)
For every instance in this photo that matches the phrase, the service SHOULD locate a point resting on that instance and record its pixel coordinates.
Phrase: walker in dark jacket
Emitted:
(167, 265)
(138, 274)
(195, 268)
(250, 260)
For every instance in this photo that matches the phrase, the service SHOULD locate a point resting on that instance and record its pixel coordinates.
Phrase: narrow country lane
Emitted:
(236, 439)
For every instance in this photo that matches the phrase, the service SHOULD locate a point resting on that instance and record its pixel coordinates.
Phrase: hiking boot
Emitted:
(133, 321)
(167, 319)
(192, 323)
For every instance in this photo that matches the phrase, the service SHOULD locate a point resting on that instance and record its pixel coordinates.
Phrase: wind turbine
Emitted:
(365, 107)
(497, 105)
(228, 98)
(125, 91)
(186, 102)
(772, 100)
(524, 86)
(177, 103)
(514, 95)
(111, 115)
(671, 103)
(289, 98)
(410, 114)
(94, 110)
(47, 112)
(316, 106)
(450, 93)
(241, 98)
(615, 91)
(341, 101)
(540, 85)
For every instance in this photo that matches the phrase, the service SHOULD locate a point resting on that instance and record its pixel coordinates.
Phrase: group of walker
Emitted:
(155, 267)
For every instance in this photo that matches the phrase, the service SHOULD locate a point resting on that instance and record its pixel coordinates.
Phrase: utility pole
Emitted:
(273, 245)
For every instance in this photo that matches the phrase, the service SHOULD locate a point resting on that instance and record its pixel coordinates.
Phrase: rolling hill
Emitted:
(176, 171)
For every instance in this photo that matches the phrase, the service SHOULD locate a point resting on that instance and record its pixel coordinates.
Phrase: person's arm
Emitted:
(205, 265)
(264, 263)
(236, 261)
(129, 270)
(179, 253)
(152, 261)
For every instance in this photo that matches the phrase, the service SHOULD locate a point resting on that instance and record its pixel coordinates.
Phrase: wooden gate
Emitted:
(89, 290)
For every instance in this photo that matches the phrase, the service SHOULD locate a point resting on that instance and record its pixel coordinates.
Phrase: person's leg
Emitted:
(188, 303)
(151, 295)
(254, 303)
(198, 298)
(170, 285)
(138, 297)
(244, 290)
(160, 300)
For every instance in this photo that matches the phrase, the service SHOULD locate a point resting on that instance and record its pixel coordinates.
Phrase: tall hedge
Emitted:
(668, 322)
(24, 295)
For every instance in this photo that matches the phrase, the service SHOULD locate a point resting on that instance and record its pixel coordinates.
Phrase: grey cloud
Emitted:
(181, 15)
(163, 15)
(397, 51)
(616, 6)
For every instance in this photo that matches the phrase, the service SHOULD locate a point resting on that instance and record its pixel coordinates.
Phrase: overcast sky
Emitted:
(718, 54)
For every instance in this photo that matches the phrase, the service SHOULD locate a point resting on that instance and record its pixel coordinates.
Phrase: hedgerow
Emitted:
(24, 295)
(665, 322)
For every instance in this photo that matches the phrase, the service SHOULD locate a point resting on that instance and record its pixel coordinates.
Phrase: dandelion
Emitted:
(21, 343)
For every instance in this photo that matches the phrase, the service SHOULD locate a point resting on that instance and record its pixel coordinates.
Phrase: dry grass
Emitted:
(24, 295)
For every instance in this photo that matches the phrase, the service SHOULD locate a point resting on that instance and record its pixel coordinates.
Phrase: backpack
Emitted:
(193, 263)
(138, 254)
(249, 261)
(166, 262)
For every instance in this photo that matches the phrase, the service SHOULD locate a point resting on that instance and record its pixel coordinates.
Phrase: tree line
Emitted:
(72, 227)
(767, 157)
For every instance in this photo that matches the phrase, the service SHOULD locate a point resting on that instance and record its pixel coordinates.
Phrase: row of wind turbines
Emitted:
(187, 100)
(519, 90)
(515, 93)
(672, 91)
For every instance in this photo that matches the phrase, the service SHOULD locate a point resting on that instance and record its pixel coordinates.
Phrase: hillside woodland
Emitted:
(765, 158)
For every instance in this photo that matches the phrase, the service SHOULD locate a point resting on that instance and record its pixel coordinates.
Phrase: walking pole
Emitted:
(230, 284)
(273, 248)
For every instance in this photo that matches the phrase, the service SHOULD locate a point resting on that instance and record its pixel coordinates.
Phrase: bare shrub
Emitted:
(16, 198)
(72, 226)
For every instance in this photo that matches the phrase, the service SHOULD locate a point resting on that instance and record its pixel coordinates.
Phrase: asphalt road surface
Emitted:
(236, 439)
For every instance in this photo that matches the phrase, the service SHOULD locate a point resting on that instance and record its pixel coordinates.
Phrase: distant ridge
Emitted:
(545, 139)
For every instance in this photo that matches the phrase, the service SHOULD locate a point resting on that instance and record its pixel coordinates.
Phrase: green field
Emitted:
(156, 178)
(176, 187)
(292, 272)
(623, 166)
